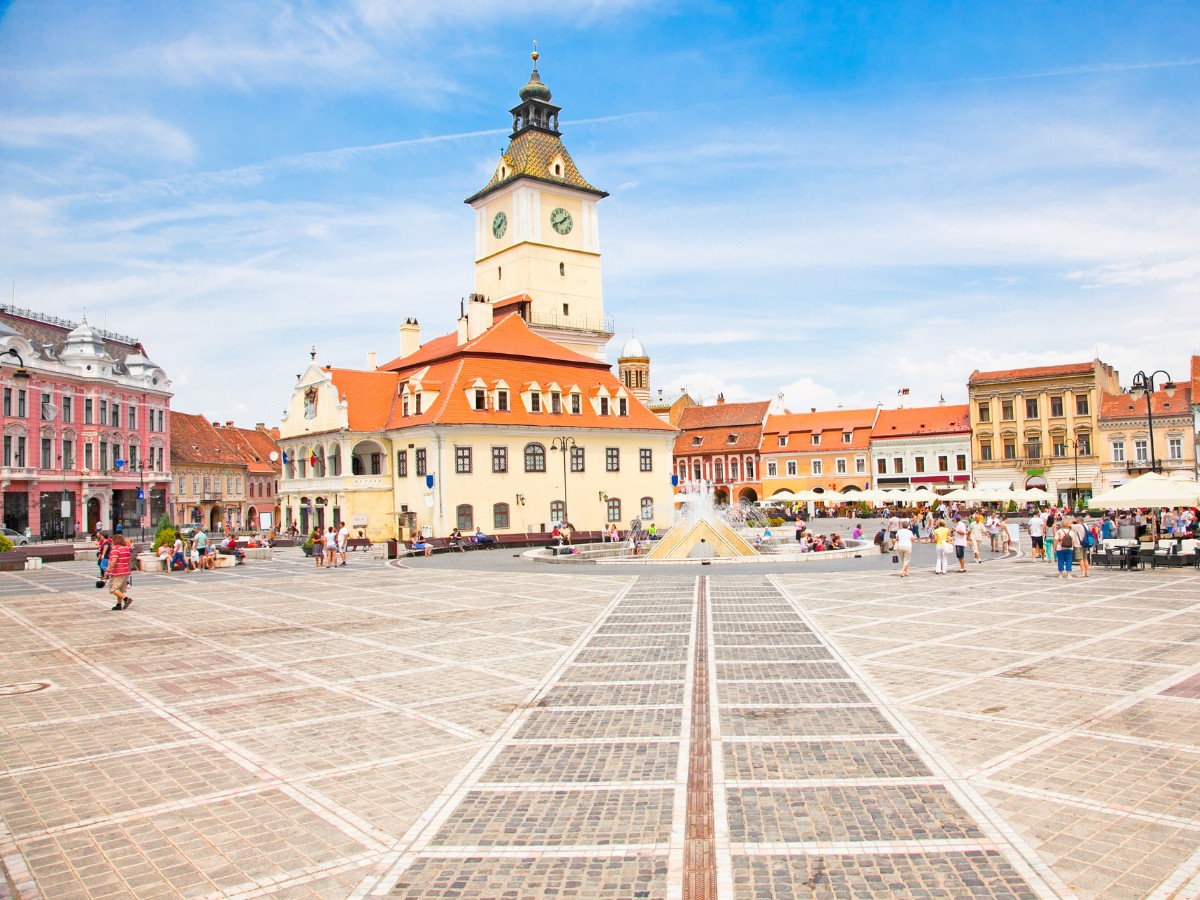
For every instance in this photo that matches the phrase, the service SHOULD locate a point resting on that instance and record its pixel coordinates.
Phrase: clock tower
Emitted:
(537, 238)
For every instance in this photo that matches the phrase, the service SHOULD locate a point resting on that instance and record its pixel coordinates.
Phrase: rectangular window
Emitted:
(87, 411)
(462, 460)
(1081, 404)
(68, 413)
(791, 467)
(207, 484)
(499, 459)
(612, 459)
(88, 458)
(604, 406)
(417, 403)
(182, 484)
(404, 405)
(881, 466)
(1010, 449)
(576, 404)
(860, 465)
(1060, 449)
(422, 464)
(8, 401)
(919, 464)
(229, 486)
(783, 440)
(1031, 408)
(480, 398)
(622, 406)
(535, 402)
(646, 460)
(45, 407)
(816, 467)
(985, 452)
(578, 458)
(555, 402)
(116, 415)
(1141, 451)
(960, 462)
(772, 468)
(103, 456)
(68, 461)
(1033, 449)
(20, 460)
(103, 412)
(7, 450)
(898, 464)
(1006, 410)
(196, 484)
(1085, 445)
(816, 440)
(131, 417)
(1175, 448)
(943, 464)
(847, 436)
(985, 411)
(376, 463)
(47, 453)
(502, 401)
(500, 516)
(1118, 451)
(1056, 407)
(20, 404)
(401, 463)
(841, 467)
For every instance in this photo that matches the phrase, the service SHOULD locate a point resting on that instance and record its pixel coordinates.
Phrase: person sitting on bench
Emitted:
(421, 546)
(456, 541)
(480, 538)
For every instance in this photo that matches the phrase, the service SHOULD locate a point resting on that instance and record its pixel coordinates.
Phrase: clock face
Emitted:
(561, 221)
(499, 225)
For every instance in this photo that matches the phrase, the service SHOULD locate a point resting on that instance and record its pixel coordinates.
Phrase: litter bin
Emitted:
(393, 549)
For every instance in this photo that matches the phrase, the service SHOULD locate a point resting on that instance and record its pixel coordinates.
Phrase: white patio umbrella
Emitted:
(782, 495)
(1150, 489)
(1034, 495)
(959, 494)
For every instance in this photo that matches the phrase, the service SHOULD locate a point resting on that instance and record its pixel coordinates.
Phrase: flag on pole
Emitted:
(312, 458)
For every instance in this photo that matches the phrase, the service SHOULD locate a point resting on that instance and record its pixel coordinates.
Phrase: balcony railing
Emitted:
(213, 495)
(602, 325)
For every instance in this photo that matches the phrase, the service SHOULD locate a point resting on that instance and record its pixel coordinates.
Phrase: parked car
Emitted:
(17, 537)
(187, 532)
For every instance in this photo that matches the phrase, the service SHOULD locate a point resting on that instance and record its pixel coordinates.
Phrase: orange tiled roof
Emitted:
(1084, 368)
(1133, 406)
(803, 425)
(1195, 379)
(923, 420)
(508, 351)
(724, 415)
(371, 395)
(195, 440)
(254, 445)
(747, 438)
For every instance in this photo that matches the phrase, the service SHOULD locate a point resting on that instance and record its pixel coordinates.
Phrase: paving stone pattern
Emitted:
(450, 728)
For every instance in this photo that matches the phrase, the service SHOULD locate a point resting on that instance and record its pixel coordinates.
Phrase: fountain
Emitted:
(702, 533)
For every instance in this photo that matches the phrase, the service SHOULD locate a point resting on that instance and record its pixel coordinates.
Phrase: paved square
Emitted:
(480, 727)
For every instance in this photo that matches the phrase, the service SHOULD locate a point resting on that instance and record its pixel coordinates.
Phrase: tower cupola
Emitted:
(535, 109)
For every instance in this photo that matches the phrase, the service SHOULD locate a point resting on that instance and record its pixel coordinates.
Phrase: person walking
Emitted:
(941, 547)
(977, 536)
(200, 548)
(960, 544)
(904, 545)
(318, 546)
(1064, 549)
(330, 548)
(1083, 543)
(118, 571)
(103, 552)
(342, 537)
(1037, 535)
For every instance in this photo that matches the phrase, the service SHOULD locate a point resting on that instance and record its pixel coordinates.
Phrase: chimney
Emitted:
(462, 329)
(812, 409)
(229, 424)
(410, 337)
(372, 361)
(260, 426)
(721, 399)
(479, 316)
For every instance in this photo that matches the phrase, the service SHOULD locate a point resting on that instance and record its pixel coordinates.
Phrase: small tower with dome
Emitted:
(633, 368)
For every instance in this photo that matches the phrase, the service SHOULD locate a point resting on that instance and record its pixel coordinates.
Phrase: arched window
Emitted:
(562, 268)
(647, 509)
(464, 517)
(535, 458)
(558, 511)
(500, 516)
(334, 455)
(614, 509)
(718, 471)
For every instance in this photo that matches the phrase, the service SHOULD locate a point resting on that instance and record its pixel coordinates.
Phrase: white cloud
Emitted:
(138, 135)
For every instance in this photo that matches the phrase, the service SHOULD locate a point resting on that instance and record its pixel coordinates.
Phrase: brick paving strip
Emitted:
(766, 769)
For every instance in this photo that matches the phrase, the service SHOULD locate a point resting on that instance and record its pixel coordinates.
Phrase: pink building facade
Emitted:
(85, 419)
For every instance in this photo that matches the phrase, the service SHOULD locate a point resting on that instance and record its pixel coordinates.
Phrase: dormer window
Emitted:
(816, 439)
(622, 406)
(502, 401)
(604, 406)
(404, 405)
(697, 441)
(576, 404)
(535, 402)
(732, 439)
(783, 440)
(480, 398)
(555, 402)
(847, 436)
(557, 168)
(417, 403)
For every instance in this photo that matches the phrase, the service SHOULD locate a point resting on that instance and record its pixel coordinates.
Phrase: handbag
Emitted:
(99, 582)
(895, 558)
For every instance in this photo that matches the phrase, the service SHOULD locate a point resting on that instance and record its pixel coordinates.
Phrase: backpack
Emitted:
(1089, 540)
(1067, 541)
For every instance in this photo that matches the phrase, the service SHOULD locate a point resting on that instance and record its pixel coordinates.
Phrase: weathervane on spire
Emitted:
(312, 353)
(534, 55)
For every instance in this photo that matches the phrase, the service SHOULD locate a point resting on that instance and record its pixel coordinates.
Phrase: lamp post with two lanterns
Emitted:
(1144, 384)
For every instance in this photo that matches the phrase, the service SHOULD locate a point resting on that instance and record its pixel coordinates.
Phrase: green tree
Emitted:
(5, 544)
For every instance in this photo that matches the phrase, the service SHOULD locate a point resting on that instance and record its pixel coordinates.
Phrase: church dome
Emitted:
(633, 349)
(534, 88)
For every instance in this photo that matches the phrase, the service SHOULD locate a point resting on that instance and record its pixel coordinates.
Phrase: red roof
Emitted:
(837, 421)
(923, 420)
(724, 415)
(1133, 406)
(722, 428)
(1195, 379)
(1085, 368)
(508, 351)
(255, 446)
(195, 440)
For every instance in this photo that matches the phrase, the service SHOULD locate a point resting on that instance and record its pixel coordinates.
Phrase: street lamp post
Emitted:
(1144, 384)
(1075, 501)
(562, 444)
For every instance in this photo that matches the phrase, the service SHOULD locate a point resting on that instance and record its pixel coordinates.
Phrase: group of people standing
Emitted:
(329, 549)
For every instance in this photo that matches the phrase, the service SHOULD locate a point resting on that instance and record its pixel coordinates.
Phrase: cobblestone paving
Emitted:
(524, 732)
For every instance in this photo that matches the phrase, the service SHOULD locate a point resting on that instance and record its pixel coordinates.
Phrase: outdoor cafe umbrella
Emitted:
(961, 493)
(785, 494)
(1150, 489)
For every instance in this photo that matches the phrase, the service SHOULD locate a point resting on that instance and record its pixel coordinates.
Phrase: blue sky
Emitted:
(825, 200)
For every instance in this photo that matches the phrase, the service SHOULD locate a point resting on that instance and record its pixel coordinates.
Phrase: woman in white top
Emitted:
(904, 545)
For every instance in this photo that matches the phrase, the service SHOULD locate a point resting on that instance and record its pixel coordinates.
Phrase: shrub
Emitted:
(5, 544)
